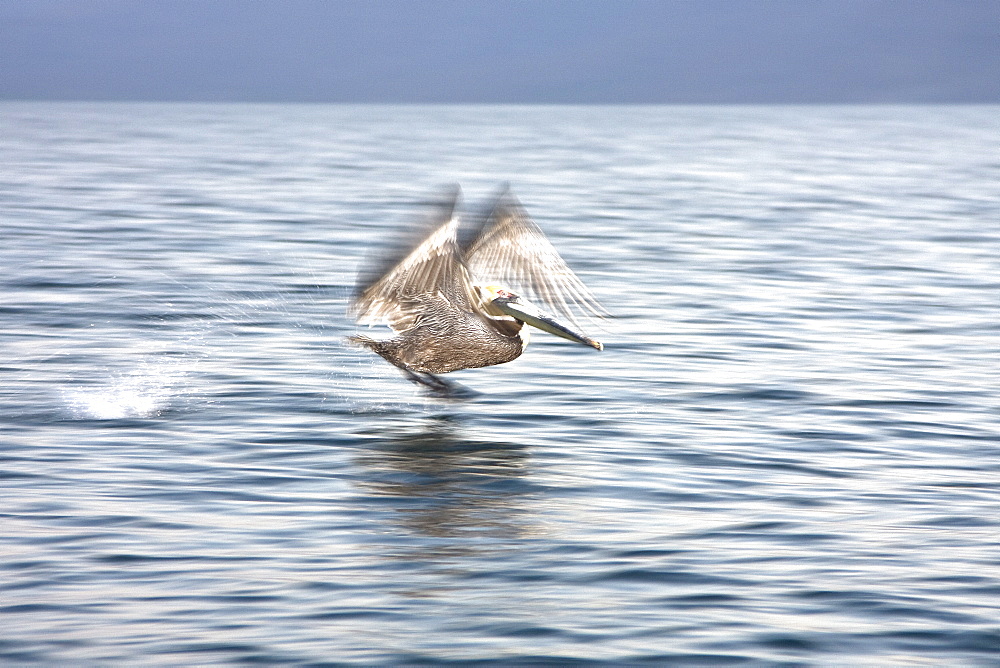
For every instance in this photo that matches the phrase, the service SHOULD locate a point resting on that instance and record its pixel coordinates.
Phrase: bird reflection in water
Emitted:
(442, 484)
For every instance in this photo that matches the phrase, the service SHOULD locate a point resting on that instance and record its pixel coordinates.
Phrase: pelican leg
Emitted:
(438, 383)
(433, 383)
(427, 380)
(449, 389)
(439, 387)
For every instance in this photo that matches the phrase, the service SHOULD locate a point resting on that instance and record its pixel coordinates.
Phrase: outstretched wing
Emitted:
(511, 250)
(394, 290)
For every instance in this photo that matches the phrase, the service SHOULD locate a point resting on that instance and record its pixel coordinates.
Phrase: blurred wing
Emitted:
(397, 288)
(511, 250)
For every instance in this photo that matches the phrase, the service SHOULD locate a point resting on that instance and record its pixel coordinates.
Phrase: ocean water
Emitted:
(787, 454)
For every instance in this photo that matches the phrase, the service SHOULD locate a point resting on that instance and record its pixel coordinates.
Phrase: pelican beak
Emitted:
(529, 314)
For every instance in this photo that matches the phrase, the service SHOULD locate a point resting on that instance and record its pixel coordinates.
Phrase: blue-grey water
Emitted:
(787, 454)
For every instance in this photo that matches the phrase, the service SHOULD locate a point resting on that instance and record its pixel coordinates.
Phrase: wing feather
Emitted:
(510, 249)
(393, 290)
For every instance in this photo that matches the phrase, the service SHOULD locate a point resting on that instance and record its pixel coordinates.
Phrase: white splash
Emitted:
(143, 392)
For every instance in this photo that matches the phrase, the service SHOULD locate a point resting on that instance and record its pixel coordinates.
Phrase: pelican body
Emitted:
(448, 302)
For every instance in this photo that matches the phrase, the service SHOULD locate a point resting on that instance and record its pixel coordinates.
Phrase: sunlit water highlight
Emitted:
(787, 454)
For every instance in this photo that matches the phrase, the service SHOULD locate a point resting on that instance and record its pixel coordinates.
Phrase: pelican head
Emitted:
(499, 301)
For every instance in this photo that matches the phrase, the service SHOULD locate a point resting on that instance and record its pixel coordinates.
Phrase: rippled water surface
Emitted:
(787, 454)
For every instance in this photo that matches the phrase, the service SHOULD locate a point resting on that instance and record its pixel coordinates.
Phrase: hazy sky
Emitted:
(607, 51)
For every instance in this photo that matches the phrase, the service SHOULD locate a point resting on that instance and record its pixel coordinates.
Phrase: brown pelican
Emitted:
(450, 301)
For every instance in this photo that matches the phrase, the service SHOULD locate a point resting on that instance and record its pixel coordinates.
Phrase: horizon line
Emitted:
(535, 103)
